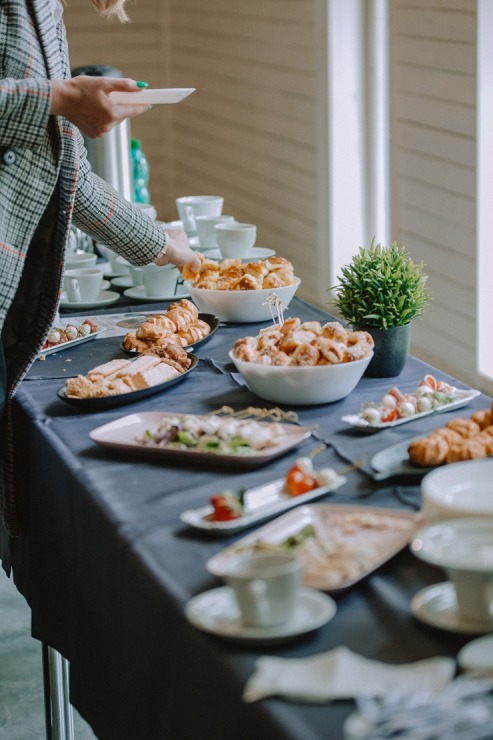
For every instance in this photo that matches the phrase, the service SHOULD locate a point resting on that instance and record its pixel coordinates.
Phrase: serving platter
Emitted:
(121, 435)
(349, 543)
(121, 399)
(71, 343)
(261, 503)
(209, 319)
(463, 398)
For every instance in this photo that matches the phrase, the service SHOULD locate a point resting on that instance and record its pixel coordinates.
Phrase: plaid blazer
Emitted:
(39, 153)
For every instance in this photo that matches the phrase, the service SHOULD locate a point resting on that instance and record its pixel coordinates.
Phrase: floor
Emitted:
(21, 683)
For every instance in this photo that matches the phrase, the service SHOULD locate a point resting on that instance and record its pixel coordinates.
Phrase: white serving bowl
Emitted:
(302, 385)
(240, 306)
(462, 489)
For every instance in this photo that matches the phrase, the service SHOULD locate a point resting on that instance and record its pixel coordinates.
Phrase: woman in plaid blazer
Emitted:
(46, 184)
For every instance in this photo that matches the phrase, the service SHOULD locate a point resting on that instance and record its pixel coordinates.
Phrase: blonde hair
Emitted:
(112, 9)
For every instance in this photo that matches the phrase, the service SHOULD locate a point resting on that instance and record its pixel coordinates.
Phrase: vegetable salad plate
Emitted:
(171, 435)
(337, 544)
(261, 503)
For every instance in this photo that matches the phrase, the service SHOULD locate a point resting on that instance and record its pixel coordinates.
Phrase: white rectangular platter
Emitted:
(66, 345)
(155, 96)
(350, 542)
(120, 435)
(262, 503)
(463, 398)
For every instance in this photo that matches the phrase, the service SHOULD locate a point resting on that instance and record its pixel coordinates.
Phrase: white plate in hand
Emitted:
(152, 97)
(261, 503)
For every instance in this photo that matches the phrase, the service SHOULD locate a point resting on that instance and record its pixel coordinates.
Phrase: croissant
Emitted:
(465, 427)
(472, 448)
(272, 280)
(482, 418)
(428, 451)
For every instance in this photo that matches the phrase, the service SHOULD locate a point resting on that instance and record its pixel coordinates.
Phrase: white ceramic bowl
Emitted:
(458, 544)
(240, 306)
(462, 489)
(302, 385)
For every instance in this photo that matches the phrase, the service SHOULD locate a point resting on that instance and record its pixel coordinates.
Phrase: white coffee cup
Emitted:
(206, 231)
(83, 285)
(136, 274)
(159, 281)
(474, 592)
(266, 587)
(75, 260)
(191, 206)
(235, 239)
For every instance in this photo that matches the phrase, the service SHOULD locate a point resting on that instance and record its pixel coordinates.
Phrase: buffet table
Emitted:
(108, 567)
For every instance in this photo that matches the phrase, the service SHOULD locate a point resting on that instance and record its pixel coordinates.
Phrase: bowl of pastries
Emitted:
(458, 491)
(239, 293)
(303, 363)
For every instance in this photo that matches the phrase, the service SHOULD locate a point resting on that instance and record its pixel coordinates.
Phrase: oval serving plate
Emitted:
(209, 319)
(107, 402)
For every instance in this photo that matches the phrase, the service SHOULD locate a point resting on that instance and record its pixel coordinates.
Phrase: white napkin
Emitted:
(342, 674)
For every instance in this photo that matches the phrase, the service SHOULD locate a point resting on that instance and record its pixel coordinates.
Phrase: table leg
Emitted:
(58, 710)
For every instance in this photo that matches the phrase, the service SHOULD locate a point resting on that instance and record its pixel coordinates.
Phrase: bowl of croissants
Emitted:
(303, 363)
(239, 292)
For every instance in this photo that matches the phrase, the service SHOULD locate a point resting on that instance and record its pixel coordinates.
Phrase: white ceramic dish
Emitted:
(106, 298)
(240, 306)
(125, 281)
(120, 435)
(138, 294)
(72, 343)
(263, 502)
(463, 398)
(156, 96)
(464, 489)
(437, 606)
(255, 254)
(302, 385)
(216, 612)
(459, 544)
(366, 538)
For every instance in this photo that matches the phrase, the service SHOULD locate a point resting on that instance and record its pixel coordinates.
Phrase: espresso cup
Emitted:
(235, 239)
(76, 260)
(159, 281)
(83, 285)
(191, 206)
(265, 586)
(206, 228)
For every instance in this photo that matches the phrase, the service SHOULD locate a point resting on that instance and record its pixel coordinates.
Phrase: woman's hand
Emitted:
(87, 103)
(178, 251)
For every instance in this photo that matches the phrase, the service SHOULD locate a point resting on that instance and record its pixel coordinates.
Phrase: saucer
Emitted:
(254, 255)
(138, 293)
(106, 297)
(437, 606)
(105, 285)
(216, 612)
(477, 656)
(125, 281)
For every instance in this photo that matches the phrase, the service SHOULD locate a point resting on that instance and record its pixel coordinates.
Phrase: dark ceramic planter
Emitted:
(390, 352)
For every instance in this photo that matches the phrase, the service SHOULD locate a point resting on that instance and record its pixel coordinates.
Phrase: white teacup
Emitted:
(235, 239)
(159, 281)
(474, 592)
(136, 274)
(83, 285)
(206, 228)
(265, 586)
(75, 260)
(191, 206)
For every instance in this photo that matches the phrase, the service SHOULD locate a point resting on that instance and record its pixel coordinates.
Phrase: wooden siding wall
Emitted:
(433, 134)
(255, 130)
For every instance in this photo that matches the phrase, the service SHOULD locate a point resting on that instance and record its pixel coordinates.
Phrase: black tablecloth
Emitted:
(107, 566)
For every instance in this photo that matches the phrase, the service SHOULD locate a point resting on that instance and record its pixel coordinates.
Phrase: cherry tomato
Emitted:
(390, 416)
(224, 511)
(298, 482)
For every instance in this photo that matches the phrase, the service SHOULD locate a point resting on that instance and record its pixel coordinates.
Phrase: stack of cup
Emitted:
(191, 206)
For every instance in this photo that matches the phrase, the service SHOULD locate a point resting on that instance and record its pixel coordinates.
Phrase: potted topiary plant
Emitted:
(381, 291)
